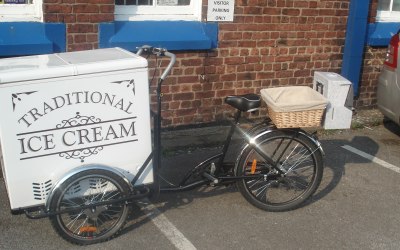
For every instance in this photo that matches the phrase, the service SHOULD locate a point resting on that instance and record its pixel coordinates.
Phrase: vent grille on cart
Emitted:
(41, 190)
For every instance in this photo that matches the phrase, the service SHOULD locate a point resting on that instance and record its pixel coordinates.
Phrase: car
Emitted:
(388, 93)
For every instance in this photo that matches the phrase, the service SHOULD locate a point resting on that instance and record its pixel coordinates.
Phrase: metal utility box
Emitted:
(338, 91)
(69, 110)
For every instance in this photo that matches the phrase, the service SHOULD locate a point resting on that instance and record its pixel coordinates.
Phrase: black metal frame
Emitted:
(223, 173)
(224, 170)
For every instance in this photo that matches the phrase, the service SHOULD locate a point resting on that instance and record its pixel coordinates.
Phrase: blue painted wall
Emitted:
(379, 34)
(173, 35)
(30, 38)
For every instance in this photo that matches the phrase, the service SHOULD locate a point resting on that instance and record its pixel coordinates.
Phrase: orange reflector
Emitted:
(87, 229)
(253, 166)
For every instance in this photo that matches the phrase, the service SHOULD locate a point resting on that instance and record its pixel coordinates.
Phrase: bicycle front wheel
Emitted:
(93, 224)
(296, 155)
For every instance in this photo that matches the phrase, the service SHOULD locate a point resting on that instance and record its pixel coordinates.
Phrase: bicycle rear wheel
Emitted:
(296, 155)
(94, 224)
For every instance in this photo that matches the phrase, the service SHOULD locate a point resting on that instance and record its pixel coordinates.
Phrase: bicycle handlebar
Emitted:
(159, 52)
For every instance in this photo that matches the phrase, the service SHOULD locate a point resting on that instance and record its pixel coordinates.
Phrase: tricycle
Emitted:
(80, 144)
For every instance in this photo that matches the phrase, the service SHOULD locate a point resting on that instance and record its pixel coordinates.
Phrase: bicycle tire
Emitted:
(273, 193)
(91, 225)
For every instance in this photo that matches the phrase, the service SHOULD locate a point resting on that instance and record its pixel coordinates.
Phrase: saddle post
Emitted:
(229, 137)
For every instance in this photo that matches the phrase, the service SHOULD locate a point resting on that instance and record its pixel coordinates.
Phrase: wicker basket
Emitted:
(296, 119)
(294, 107)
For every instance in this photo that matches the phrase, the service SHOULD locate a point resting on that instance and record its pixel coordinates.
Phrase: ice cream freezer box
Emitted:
(67, 111)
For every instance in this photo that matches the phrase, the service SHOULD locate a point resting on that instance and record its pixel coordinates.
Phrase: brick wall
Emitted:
(372, 64)
(81, 17)
(270, 43)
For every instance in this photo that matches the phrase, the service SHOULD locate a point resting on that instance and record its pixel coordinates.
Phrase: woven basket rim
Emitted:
(285, 119)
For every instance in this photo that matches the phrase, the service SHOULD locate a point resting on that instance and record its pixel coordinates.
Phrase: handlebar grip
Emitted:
(159, 52)
(170, 65)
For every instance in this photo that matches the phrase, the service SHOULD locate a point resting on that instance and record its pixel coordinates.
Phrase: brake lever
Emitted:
(158, 51)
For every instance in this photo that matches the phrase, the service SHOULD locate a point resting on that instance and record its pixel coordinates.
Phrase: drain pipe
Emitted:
(356, 34)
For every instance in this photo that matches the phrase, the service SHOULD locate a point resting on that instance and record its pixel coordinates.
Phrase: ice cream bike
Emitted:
(79, 146)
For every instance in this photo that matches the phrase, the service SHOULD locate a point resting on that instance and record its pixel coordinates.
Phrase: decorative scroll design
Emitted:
(130, 84)
(81, 154)
(78, 120)
(17, 97)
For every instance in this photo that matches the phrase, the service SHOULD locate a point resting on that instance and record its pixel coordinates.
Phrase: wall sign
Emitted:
(220, 10)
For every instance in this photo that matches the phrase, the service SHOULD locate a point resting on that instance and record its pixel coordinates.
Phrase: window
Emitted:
(388, 11)
(21, 10)
(158, 10)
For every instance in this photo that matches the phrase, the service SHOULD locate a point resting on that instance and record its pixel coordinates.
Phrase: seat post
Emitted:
(237, 116)
(229, 137)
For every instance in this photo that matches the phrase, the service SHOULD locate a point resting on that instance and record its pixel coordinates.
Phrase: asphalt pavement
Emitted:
(355, 207)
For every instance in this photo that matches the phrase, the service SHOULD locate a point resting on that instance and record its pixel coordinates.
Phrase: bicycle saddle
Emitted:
(245, 103)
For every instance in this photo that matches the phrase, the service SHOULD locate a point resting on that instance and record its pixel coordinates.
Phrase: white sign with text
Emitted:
(220, 10)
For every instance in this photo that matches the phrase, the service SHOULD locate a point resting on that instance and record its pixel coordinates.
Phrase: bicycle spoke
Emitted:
(262, 190)
(299, 161)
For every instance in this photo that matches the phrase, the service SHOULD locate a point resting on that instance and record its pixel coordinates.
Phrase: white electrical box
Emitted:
(68, 110)
(338, 91)
(337, 117)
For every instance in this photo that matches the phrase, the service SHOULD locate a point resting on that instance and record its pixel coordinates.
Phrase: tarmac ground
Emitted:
(355, 207)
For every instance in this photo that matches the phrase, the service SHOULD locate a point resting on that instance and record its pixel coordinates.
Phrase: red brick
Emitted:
(272, 11)
(192, 62)
(99, 18)
(188, 79)
(234, 60)
(107, 9)
(77, 47)
(309, 12)
(327, 12)
(83, 18)
(51, 18)
(291, 12)
(183, 96)
(228, 77)
(252, 10)
(68, 18)
(225, 93)
(301, 4)
(83, 8)
(80, 38)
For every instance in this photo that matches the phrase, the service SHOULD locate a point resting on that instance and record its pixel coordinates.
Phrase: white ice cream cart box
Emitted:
(70, 110)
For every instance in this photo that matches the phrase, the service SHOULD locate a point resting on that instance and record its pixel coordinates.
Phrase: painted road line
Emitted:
(372, 158)
(166, 227)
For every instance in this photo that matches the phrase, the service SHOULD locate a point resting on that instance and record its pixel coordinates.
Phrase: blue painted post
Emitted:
(355, 42)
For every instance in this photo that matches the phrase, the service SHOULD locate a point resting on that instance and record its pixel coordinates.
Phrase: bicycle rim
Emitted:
(297, 157)
(95, 224)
